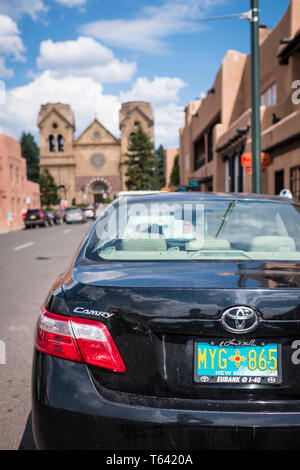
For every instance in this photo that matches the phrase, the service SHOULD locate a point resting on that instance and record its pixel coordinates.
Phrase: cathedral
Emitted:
(91, 167)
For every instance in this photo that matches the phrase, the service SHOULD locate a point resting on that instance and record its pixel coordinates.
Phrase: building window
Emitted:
(131, 137)
(210, 149)
(199, 152)
(234, 177)
(61, 143)
(295, 182)
(97, 161)
(51, 143)
(269, 97)
(279, 181)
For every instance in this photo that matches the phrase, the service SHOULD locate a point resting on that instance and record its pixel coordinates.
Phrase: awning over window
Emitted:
(292, 46)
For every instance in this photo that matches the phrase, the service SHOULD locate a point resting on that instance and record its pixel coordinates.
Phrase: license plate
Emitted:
(237, 362)
(32, 216)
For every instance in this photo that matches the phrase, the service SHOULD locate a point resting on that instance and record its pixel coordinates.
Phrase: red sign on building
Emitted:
(247, 159)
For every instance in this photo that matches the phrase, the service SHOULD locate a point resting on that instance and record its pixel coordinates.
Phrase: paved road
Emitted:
(30, 261)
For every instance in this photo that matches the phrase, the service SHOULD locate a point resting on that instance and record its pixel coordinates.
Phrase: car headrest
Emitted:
(153, 243)
(272, 243)
(207, 245)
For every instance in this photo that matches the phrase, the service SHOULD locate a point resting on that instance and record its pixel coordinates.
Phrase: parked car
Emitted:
(286, 193)
(150, 342)
(37, 217)
(89, 212)
(74, 215)
(54, 217)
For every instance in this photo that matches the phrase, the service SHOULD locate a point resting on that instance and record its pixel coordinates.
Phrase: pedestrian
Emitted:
(10, 220)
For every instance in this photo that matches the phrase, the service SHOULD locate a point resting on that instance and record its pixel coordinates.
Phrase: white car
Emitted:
(75, 215)
(286, 193)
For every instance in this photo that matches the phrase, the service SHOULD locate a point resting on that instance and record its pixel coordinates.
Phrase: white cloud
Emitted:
(11, 45)
(4, 71)
(83, 57)
(148, 30)
(10, 42)
(168, 120)
(17, 8)
(71, 3)
(163, 94)
(159, 90)
(84, 95)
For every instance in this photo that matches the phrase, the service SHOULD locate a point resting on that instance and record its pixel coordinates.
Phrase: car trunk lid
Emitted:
(156, 313)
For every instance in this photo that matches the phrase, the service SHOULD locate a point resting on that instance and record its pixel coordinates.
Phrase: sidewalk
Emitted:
(4, 230)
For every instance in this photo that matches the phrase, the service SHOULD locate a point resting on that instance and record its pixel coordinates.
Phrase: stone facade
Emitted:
(17, 194)
(132, 114)
(90, 167)
(217, 129)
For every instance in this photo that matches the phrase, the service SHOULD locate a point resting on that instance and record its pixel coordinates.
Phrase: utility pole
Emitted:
(255, 98)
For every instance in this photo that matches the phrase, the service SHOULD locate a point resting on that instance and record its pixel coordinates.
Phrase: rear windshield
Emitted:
(74, 211)
(206, 230)
(35, 212)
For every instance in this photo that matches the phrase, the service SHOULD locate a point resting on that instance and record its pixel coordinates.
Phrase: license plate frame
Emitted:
(226, 378)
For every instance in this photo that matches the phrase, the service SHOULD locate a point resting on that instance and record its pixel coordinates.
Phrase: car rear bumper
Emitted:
(35, 222)
(71, 221)
(70, 413)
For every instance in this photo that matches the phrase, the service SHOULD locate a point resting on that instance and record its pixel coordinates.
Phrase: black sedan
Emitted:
(54, 217)
(176, 326)
(37, 217)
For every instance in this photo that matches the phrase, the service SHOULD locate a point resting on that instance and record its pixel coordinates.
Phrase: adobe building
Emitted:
(16, 192)
(217, 130)
(170, 154)
(90, 167)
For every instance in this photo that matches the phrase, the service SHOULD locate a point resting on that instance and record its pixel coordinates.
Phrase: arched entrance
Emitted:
(97, 190)
(99, 193)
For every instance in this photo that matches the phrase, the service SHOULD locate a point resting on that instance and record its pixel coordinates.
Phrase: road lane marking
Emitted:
(17, 248)
(67, 231)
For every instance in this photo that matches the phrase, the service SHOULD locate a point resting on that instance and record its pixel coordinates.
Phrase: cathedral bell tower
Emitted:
(56, 127)
(131, 115)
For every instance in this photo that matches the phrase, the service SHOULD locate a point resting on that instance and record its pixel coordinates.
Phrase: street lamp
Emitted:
(255, 98)
(253, 17)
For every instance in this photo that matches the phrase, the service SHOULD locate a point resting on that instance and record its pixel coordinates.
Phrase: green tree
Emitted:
(160, 176)
(175, 175)
(31, 152)
(48, 189)
(140, 161)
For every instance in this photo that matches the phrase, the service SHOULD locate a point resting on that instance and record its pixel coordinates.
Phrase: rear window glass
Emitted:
(201, 230)
(33, 212)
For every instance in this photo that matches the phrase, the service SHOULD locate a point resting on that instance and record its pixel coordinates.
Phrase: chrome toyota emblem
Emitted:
(240, 319)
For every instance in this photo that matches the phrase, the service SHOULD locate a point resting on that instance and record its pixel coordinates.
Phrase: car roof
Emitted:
(199, 196)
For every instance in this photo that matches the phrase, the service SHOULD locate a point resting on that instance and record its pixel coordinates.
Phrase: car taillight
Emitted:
(54, 336)
(41, 214)
(96, 344)
(79, 340)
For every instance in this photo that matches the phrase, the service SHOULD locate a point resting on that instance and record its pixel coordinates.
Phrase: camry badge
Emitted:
(240, 319)
(97, 313)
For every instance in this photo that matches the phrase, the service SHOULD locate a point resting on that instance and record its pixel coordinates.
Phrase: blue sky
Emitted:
(94, 54)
